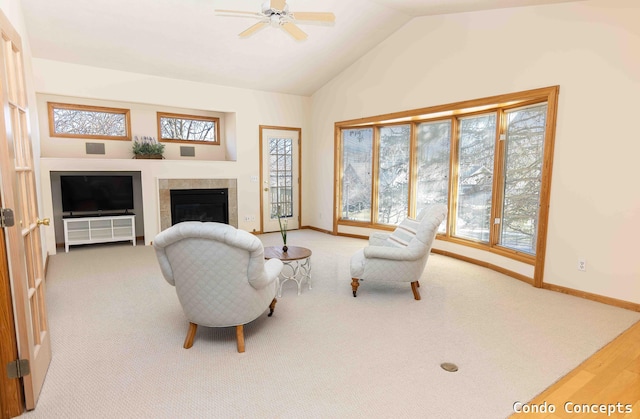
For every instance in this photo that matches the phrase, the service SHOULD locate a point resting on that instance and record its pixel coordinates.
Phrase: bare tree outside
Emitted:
(475, 177)
(434, 150)
(90, 123)
(525, 135)
(357, 156)
(521, 169)
(188, 129)
(393, 175)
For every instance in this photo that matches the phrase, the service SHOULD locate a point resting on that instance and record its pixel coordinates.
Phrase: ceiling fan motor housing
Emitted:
(275, 13)
(267, 10)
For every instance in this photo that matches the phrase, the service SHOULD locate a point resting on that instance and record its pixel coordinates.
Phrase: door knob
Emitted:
(44, 221)
(266, 189)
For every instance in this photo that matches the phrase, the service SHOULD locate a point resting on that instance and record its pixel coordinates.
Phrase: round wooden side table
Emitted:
(297, 264)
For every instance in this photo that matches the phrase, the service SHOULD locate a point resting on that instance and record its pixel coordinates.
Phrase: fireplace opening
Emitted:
(199, 205)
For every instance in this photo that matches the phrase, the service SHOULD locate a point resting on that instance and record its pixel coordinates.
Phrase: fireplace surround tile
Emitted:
(166, 185)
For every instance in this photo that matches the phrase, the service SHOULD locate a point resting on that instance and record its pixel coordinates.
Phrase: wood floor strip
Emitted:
(611, 377)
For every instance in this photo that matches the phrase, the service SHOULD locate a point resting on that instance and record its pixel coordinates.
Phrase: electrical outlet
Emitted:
(582, 264)
(247, 218)
(254, 178)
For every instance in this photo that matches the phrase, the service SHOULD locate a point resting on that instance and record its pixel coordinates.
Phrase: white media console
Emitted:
(108, 228)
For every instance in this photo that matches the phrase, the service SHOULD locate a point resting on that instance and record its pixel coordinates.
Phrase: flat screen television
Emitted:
(96, 193)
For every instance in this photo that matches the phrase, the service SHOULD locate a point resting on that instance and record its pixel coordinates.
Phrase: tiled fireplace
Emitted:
(165, 186)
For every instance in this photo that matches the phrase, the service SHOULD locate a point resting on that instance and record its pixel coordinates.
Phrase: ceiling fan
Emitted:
(276, 13)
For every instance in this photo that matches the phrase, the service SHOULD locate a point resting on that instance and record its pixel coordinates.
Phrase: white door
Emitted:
(280, 177)
(23, 242)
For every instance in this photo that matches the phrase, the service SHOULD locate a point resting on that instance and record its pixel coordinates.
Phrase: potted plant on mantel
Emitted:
(147, 148)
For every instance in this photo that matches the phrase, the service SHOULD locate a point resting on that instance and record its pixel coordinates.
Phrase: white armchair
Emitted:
(400, 256)
(220, 275)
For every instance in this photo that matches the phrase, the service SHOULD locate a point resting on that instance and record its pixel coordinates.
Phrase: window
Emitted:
(476, 147)
(434, 151)
(357, 157)
(484, 159)
(82, 121)
(188, 128)
(393, 173)
(281, 173)
(524, 151)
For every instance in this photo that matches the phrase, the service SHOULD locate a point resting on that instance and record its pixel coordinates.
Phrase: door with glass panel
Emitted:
(280, 177)
(23, 240)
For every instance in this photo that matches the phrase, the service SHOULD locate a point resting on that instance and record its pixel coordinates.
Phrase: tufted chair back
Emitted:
(400, 256)
(219, 272)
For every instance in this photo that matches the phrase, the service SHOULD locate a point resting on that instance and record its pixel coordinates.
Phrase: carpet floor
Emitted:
(117, 331)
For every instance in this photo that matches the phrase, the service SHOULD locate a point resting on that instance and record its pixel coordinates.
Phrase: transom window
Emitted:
(488, 160)
(83, 121)
(188, 128)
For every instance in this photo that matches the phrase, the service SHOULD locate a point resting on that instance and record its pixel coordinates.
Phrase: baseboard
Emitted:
(594, 297)
(321, 230)
(551, 287)
(353, 236)
(484, 264)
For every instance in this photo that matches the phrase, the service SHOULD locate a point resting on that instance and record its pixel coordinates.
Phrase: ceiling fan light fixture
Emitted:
(276, 13)
(275, 20)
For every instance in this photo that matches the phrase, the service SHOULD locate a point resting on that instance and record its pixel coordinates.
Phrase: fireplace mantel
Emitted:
(166, 185)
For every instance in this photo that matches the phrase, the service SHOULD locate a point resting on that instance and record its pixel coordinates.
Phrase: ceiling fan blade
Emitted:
(318, 16)
(294, 31)
(238, 12)
(253, 29)
(277, 4)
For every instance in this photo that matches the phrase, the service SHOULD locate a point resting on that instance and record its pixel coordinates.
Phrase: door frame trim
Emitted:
(299, 131)
(11, 395)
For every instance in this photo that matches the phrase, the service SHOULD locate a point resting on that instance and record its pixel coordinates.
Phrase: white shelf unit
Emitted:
(87, 230)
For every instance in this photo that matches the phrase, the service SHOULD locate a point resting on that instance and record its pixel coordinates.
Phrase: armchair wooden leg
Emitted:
(414, 288)
(240, 337)
(354, 285)
(191, 333)
(272, 306)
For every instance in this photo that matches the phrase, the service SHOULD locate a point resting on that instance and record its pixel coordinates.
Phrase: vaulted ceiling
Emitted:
(186, 39)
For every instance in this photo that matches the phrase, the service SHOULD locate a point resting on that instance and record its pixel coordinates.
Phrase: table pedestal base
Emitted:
(295, 270)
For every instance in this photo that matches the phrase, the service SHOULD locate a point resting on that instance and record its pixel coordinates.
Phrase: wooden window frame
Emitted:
(454, 111)
(88, 108)
(213, 119)
(373, 157)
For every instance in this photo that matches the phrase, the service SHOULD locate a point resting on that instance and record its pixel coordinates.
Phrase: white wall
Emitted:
(143, 122)
(589, 48)
(252, 108)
